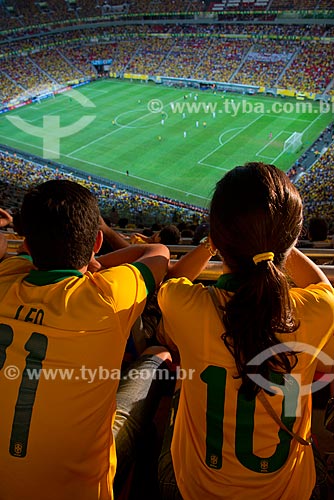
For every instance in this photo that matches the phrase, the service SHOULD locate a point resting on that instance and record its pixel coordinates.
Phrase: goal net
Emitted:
(293, 143)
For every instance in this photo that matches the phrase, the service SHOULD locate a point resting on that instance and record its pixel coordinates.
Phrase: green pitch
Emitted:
(164, 140)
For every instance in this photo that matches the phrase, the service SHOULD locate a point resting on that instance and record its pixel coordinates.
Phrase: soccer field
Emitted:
(173, 142)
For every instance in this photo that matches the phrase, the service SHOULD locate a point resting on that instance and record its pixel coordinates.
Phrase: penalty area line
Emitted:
(109, 169)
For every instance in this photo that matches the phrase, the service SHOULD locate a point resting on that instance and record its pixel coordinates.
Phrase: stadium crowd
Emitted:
(17, 14)
(317, 189)
(222, 59)
(28, 77)
(53, 63)
(17, 175)
(265, 62)
(146, 59)
(115, 292)
(312, 64)
(262, 56)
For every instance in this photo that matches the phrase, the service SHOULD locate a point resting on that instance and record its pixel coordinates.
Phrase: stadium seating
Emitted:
(236, 53)
(294, 4)
(265, 62)
(312, 69)
(18, 174)
(38, 53)
(36, 59)
(317, 189)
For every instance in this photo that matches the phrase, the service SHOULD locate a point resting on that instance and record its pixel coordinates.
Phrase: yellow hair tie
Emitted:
(263, 256)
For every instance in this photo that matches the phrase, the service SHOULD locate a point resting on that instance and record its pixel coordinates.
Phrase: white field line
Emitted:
(271, 141)
(221, 144)
(268, 144)
(288, 118)
(141, 179)
(120, 127)
(109, 169)
(310, 125)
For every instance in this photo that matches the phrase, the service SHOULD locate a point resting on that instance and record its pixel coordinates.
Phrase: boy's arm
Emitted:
(114, 239)
(155, 257)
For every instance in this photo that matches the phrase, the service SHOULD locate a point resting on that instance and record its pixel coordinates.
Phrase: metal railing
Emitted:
(214, 268)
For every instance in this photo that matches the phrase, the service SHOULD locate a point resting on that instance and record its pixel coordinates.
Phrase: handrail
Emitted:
(310, 252)
(213, 270)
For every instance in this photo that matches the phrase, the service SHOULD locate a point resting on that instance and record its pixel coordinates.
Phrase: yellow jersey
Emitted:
(225, 446)
(62, 339)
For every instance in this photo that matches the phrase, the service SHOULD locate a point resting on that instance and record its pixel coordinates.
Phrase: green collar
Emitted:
(24, 255)
(229, 282)
(41, 278)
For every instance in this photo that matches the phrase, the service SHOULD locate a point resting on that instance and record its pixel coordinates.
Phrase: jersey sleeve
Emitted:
(147, 275)
(125, 288)
(18, 264)
(315, 311)
(173, 296)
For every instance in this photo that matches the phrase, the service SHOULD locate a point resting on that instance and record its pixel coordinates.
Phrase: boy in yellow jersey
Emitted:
(63, 331)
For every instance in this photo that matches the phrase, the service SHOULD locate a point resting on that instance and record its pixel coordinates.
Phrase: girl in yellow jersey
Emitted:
(260, 342)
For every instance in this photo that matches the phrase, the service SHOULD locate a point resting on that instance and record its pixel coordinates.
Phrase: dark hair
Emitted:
(60, 220)
(170, 235)
(256, 209)
(317, 229)
(200, 231)
(123, 222)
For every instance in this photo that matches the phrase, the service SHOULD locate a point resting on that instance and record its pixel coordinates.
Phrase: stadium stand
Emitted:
(294, 5)
(45, 45)
(53, 64)
(273, 55)
(148, 57)
(265, 62)
(222, 59)
(18, 174)
(317, 188)
(29, 78)
(246, 58)
(311, 69)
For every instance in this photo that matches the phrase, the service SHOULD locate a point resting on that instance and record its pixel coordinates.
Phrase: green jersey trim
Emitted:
(229, 282)
(25, 255)
(147, 275)
(41, 278)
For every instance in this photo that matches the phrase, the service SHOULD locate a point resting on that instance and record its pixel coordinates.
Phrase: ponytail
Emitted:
(255, 218)
(259, 309)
